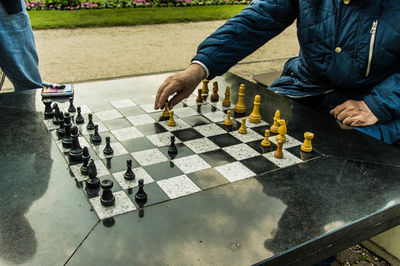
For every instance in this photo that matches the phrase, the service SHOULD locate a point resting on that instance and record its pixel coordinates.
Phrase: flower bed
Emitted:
(99, 4)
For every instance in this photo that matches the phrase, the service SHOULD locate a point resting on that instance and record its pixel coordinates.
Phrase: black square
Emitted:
(137, 144)
(256, 145)
(305, 156)
(158, 116)
(187, 134)
(163, 170)
(217, 157)
(130, 111)
(154, 194)
(117, 123)
(261, 130)
(207, 178)
(151, 129)
(236, 115)
(118, 163)
(197, 120)
(259, 164)
(183, 151)
(224, 140)
(235, 125)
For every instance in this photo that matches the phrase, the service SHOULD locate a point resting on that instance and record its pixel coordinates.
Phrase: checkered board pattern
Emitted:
(209, 153)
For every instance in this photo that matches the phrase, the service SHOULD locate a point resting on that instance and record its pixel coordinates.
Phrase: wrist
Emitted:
(198, 71)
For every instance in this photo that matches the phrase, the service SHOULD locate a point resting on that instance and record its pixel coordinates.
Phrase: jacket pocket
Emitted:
(371, 46)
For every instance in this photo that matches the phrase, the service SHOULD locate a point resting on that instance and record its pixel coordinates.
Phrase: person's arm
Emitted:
(238, 37)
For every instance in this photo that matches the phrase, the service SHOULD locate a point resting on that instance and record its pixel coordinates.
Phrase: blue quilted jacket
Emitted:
(351, 46)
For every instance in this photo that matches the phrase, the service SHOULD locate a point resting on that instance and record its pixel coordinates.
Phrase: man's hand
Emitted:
(354, 113)
(181, 84)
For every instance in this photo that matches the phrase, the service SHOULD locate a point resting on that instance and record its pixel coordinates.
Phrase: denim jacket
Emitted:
(12, 6)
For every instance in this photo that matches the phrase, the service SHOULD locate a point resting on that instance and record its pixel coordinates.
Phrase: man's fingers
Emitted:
(337, 110)
(168, 91)
(177, 98)
(159, 92)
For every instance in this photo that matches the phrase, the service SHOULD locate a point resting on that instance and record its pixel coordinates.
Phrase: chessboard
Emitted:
(209, 153)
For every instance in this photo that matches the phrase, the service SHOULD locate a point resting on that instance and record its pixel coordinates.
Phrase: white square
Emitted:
(289, 143)
(122, 103)
(216, 116)
(251, 135)
(127, 133)
(241, 151)
(287, 160)
(122, 205)
(180, 124)
(201, 145)
(116, 146)
(85, 131)
(85, 110)
(190, 164)
(178, 186)
(101, 170)
(142, 119)
(148, 157)
(139, 172)
(184, 112)
(162, 139)
(49, 124)
(108, 115)
(250, 124)
(235, 171)
(191, 101)
(148, 108)
(209, 130)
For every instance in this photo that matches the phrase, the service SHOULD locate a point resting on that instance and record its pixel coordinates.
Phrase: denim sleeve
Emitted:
(244, 33)
(384, 100)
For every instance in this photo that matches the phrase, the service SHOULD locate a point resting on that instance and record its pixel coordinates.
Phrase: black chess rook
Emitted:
(107, 198)
(48, 112)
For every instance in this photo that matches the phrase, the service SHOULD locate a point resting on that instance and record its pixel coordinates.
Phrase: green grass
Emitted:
(129, 16)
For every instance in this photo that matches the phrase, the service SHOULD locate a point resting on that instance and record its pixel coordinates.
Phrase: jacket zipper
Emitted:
(371, 46)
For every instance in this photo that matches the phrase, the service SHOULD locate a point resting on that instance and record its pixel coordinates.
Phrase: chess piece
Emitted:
(166, 111)
(79, 118)
(172, 148)
(90, 125)
(71, 107)
(96, 138)
(107, 198)
(204, 89)
(306, 146)
(61, 129)
(129, 174)
(278, 154)
(56, 115)
(255, 116)
(141, 196)
(228, 121)
(199, 99)
(92, 182)
(107, 149)
(240, 108)
(214, 96)
(48, 112)
(242, 129)
(76, 152)
(282, 130)
(171, 122)
(67, 140)
(274, 127)
(227, 102)
(266, 142)
(85, 158)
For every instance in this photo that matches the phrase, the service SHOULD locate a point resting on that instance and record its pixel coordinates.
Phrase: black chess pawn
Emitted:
(92, 182)
(76, 152)
(90, 125)
(108, 150)
(85, 158)
(71, 107)
(107, 198)
(96, 138)
(79, 118)
(61, 129)
(67, 140)
(48, 112)
(56, 114)
(129, 174)
(141, 196)
(172, 147)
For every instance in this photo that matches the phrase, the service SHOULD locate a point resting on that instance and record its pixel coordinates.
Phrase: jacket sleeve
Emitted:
(384, 99)
(244, 33)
